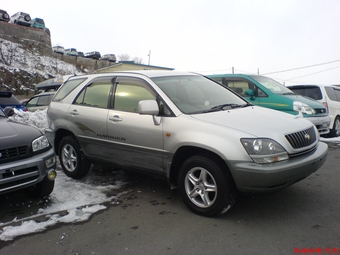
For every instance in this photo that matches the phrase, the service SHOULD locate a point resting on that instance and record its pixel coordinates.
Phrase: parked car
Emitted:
(92, 54)
(38, 23)
(80, 54)
(329, 96)
(266, 92)
(71, 52)
(109, 57)
(4, 16)
(47, 31)
(204, 139)
(53, 84)
(21, 18)
(58, 49)
(8, 99)
(27, 159)
(39, 101)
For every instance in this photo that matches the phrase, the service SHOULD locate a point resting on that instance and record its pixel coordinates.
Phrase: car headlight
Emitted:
(264, 150)
(302, 107)
(40, 143)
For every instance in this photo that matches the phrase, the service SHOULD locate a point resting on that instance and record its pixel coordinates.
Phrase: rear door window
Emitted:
(95, 94)
(333, 94)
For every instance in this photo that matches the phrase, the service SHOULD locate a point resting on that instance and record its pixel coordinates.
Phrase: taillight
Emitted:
(326, 105)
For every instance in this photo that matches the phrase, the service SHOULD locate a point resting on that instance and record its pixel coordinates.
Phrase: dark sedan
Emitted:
(8, 99)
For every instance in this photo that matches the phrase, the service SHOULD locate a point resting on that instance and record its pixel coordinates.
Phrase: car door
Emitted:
(138, 142)
(240, 86)
(88, 117)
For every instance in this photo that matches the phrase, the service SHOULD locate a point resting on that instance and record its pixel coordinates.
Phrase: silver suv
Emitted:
(202, 137)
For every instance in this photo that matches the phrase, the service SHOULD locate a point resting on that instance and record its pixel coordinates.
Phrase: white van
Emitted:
(71, 52)
(329, 96)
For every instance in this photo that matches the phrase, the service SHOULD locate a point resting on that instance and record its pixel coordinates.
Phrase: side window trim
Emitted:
(81, 98)
(125, 93)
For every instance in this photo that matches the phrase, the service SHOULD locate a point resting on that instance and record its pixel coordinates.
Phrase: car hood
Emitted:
(15, 134)
(257, 121)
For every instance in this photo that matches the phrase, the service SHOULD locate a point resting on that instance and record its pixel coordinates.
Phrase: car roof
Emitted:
(147, 73)
(312, 85)
(53, 83)
(45, 93)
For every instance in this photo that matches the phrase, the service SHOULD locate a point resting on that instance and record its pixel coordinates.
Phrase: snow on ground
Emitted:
(72, 200)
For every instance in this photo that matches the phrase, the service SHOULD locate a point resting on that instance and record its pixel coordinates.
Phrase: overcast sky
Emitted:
(203, 36)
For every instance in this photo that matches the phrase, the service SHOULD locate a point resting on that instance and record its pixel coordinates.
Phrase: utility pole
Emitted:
(149, 56)
(232, 70)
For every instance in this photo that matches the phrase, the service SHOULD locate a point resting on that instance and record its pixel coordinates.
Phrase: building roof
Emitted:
(130, 65)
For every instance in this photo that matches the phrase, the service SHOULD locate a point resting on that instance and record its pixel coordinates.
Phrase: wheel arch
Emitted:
(186, 152)
(59, 136)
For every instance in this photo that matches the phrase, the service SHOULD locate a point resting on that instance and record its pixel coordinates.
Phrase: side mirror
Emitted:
(9, 111)
(251, 94)
(149, 107)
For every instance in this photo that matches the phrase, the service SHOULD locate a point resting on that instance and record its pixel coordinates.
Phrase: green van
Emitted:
(266, 92)
(38, 23)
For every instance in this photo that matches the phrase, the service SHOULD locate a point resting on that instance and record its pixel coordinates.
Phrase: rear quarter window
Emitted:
(66, 89)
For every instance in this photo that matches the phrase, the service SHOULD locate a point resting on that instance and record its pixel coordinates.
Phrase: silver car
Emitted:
(202, 137)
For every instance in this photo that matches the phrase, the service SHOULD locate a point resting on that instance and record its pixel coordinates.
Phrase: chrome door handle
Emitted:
(74, 112)
(115, 118)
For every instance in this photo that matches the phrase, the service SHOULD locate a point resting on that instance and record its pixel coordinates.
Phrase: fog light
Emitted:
(50, 162)
(52, 175)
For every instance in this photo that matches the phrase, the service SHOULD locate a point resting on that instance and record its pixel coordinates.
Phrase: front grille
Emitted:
(10, 179)
(302, 138)
(12, 154)
(321, 110)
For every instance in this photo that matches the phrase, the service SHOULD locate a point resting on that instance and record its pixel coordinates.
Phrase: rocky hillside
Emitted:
(22, 67)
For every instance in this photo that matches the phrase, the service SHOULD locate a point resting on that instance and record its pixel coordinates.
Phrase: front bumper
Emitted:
(26, 172)
(321, 123)
(251, 177)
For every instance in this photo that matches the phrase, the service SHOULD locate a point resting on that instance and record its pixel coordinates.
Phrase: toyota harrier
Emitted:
(199, 135)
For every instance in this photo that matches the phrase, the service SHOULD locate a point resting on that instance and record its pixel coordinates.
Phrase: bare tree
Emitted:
(124, 57)
(7, 51)
(138, 60)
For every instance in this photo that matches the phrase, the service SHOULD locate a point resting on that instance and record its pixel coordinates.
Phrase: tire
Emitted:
(205, 186)
(42, 189)
(27, 18)
(72, 159)
(335, 131)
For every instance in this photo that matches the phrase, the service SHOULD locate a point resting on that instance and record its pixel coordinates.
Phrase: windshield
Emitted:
(197, 94)
(273, 85)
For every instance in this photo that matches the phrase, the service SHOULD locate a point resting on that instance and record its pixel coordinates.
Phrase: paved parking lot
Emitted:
(151, 219)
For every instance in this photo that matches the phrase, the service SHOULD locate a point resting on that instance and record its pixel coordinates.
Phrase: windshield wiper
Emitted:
(246, 105)
(288, 93)
(222, 107)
